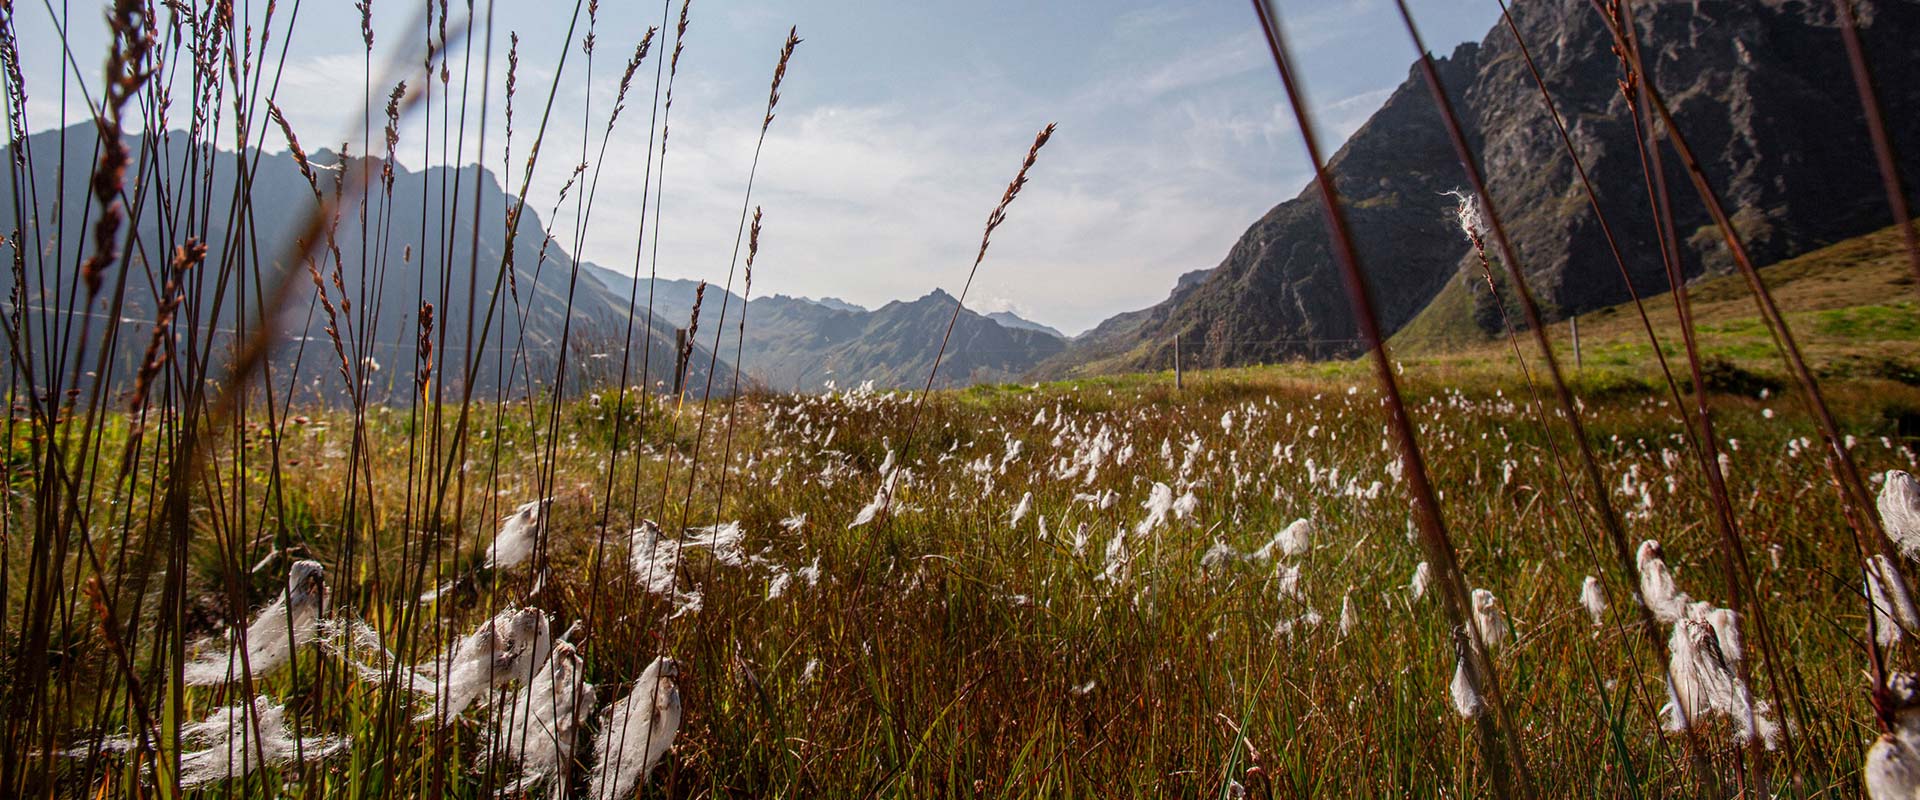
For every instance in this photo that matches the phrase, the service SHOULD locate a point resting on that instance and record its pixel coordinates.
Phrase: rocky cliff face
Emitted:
(1761, 89)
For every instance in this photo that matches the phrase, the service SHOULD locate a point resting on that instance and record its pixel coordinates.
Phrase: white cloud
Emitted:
(878, 175)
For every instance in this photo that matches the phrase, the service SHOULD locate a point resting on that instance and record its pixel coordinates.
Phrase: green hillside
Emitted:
(1851, 306)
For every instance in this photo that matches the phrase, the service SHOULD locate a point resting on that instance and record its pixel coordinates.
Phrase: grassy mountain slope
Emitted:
(1851, 306)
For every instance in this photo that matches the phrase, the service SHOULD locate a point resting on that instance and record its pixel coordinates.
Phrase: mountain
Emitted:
(1106, 344)
(1761, 88)
(837, 304)
(799, 344)
(420, 244)
(1009, 319)
(672, 305)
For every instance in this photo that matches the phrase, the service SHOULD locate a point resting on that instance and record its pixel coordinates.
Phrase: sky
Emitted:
(898, 128)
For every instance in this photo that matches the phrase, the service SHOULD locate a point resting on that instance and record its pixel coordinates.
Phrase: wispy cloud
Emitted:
(898, 131)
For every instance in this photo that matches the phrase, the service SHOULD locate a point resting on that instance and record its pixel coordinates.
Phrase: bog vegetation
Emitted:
(1677, 571)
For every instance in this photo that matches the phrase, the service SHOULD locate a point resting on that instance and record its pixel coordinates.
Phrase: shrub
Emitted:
(1723, 376)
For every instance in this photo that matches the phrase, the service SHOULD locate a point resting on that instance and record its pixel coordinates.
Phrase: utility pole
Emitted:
(1178, 384)
(1573, 324)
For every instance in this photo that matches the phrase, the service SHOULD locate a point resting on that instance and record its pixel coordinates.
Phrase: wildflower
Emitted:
(725, 542)
(1900, 511)
(518, 532)
(1159, 502)
(1218, 556)
(1422, 575)
(1117, 560)
(795, 522)
(1702, 684)
(688, 603)
(1491, 618)
(1296, 538)
(1726, 629)
(1020, 510)
(513, 645)
(231, 749)
(275, 632)
(654, 558)
(1183, 508)
(636, 732)
(1467, 213)
(1657, 590)
(882, 496)
(1466, 696)
(544, 725)
(1288, 578)
(1594, 598)
(1348, 619)
(1893, 611)
(1892, 771)
(228, 747)
(1466, 699)
(777, 585)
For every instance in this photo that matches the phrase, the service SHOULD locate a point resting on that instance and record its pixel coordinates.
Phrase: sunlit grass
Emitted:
(945, 647)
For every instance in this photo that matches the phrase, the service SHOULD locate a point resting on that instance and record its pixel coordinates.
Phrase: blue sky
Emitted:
(899, 125)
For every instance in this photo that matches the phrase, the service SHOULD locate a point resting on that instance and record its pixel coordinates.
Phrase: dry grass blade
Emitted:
(1598, 491)
(1883, 152)
(1847, 475)
(127, 71)
(779, 74)
(999, 215)
(994, 219)
(1500, 748)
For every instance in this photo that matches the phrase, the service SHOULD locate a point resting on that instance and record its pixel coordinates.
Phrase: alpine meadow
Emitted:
(1545, 428)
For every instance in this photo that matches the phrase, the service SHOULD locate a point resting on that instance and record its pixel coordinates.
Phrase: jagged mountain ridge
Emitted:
(800, 344)
(1011, 320)
(377, 308)
(1761, 89)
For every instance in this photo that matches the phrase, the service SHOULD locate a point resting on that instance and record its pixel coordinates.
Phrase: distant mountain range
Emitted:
(837, 304)
(799, 344)
(1009, 319)
(1761, 88)
(386, 274)
(538, 322)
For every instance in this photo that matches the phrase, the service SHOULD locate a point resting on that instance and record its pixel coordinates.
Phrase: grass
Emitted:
(1020, 620)
(949, 646)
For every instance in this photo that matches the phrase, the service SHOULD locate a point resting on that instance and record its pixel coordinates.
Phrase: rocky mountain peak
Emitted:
(1761, 89)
